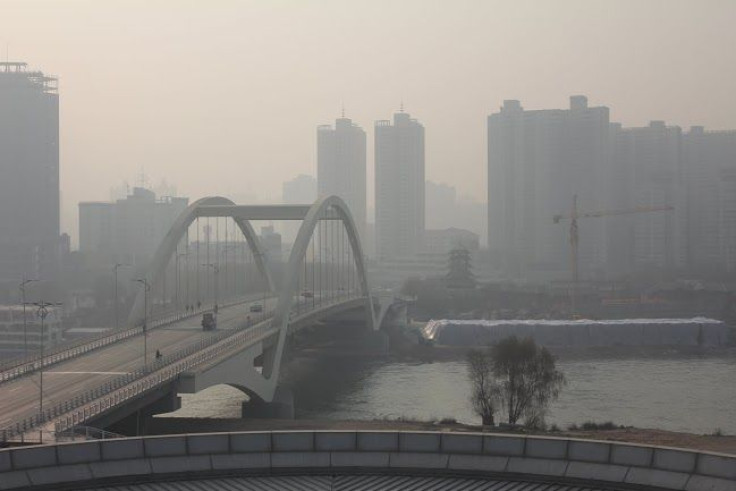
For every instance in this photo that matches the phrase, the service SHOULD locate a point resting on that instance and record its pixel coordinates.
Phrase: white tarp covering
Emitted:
(698, 331)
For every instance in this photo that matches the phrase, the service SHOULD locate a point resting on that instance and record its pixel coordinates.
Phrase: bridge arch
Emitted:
(332, 208)
(178, 229)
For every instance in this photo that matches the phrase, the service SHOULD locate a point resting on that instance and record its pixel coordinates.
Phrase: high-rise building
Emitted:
(128, 230)
(341, 166)
(537, 162)
(709, 175)
(29, 173)
(399, 155)
(648, 166)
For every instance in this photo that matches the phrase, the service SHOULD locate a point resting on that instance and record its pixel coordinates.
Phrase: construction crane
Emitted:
(574, 216)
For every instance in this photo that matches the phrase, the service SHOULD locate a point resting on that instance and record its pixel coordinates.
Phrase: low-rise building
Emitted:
(16, 338)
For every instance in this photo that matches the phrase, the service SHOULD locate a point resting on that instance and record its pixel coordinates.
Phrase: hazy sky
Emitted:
(224, 97)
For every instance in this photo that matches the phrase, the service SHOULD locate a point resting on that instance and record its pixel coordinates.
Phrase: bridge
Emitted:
(108, 379)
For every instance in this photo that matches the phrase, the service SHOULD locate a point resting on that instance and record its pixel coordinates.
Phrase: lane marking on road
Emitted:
(86, 373)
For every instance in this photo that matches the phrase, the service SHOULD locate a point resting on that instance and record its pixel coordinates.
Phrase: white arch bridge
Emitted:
(324, 276)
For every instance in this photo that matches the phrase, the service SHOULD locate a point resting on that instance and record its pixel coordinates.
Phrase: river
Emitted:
(670, 391)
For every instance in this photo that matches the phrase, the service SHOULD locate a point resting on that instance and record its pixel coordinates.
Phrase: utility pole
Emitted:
(25, 326)
(115, 271)
(146, 289)
(43, 312)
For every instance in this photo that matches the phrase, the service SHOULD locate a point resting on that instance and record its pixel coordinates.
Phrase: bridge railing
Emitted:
(18, 367)
(95, 401)
(120, 388)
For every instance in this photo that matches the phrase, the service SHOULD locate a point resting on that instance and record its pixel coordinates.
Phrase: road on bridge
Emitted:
(20, 398)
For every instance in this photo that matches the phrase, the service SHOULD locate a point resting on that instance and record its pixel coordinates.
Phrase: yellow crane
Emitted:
(574, 216)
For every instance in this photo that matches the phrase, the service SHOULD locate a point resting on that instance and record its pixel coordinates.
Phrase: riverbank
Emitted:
(169, 425)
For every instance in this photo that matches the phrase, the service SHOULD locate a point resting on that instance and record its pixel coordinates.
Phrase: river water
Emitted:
(693, 393)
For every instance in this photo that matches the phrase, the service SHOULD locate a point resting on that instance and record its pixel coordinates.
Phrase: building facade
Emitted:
(341, 166)
(19, 336)
(400, 187)
(29, 166)
(128, 230)
(537, 162)
(648, 166)
(710, 192)
(662, 200)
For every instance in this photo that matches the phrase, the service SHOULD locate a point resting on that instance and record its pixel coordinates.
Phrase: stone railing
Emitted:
(182, 457)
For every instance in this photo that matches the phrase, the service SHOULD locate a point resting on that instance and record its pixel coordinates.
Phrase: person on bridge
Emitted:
(158, 355)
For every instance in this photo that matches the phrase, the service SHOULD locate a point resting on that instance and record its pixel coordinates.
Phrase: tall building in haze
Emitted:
(537, 161)
(341, 166)
(709, 175)
(399, 155)
(29, 173)
(649, 160)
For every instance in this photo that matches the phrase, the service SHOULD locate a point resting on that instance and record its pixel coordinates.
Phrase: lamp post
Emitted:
(25, 331)
(216, 269)
(146, 289)
(178, 277)
(115, 271)
(43, 312)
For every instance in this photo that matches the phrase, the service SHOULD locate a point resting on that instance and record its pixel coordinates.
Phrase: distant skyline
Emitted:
(224, 98)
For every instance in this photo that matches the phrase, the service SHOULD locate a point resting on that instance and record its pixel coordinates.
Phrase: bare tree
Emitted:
(484, 391)
(527, 376)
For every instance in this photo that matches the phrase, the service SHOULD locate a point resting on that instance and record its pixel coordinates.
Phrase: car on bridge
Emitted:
(209, 321)
(256, 307)
(307, 294)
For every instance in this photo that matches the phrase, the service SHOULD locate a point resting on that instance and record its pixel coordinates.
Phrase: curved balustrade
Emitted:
(547, 462)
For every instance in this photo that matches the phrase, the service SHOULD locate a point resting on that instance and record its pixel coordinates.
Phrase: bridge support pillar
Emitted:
(282, 406)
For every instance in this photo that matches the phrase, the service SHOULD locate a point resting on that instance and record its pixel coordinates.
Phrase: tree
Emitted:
(527, 376)
(484, 390)
(460, 270)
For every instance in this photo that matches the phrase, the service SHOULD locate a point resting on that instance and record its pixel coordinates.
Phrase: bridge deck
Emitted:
(20, 398)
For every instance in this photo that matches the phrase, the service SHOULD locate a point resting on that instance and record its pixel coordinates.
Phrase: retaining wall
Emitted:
(611, 465)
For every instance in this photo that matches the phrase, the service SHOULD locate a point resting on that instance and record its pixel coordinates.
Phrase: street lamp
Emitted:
(115, 271)
(146, 289)
(178, 277)
(23, 300)
(43, 311)
(216, 269)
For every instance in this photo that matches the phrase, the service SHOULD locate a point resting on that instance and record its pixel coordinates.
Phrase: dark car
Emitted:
(209, 322)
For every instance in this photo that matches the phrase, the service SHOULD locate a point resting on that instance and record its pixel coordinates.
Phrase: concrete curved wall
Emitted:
(182, 457)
